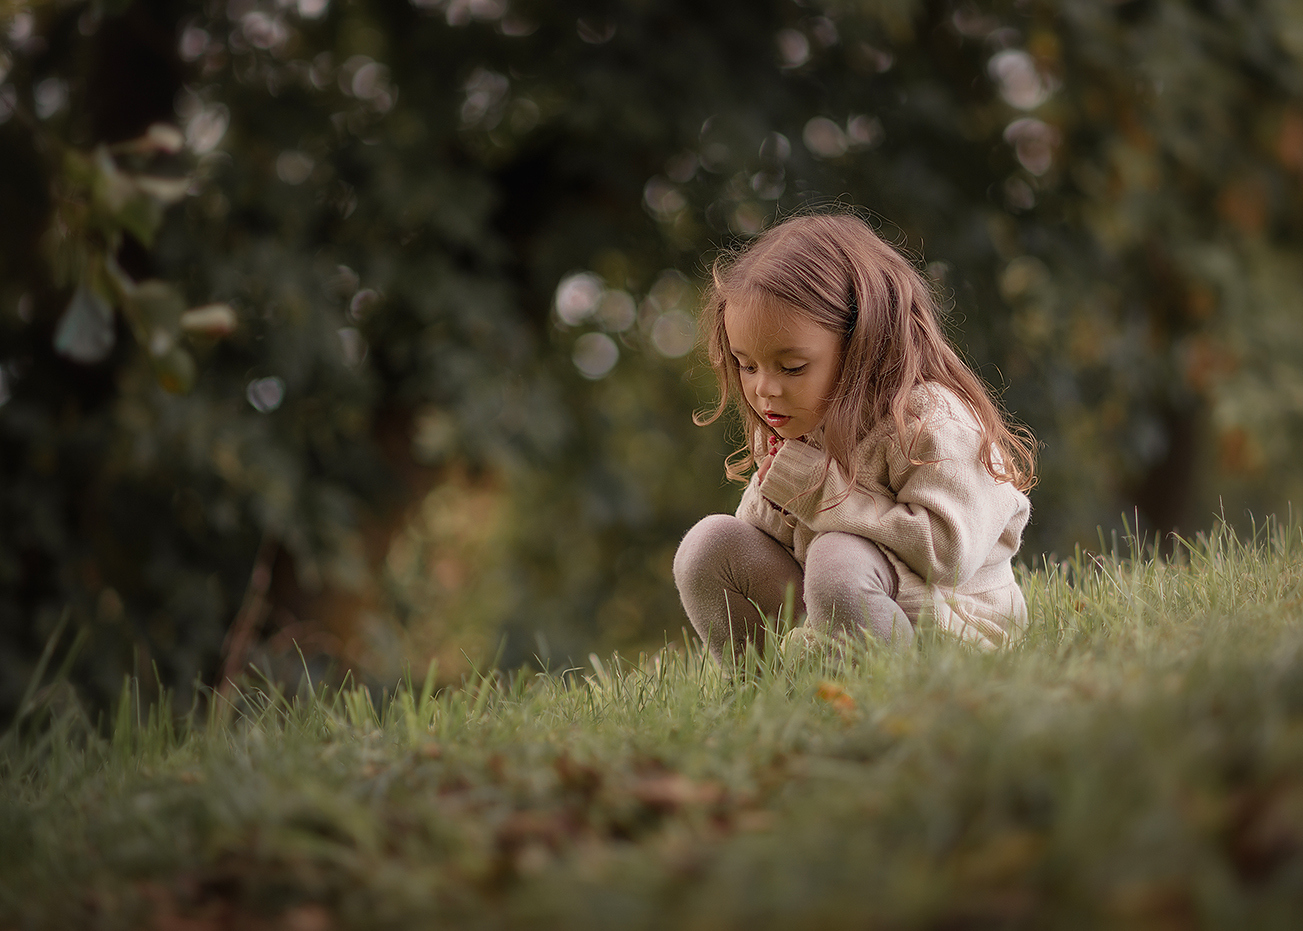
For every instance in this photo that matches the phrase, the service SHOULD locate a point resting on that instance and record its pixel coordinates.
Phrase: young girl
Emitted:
(887, 487)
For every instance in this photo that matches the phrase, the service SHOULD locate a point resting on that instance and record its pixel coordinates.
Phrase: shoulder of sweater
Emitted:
(933, 408)
(940, 426)
(937, 407)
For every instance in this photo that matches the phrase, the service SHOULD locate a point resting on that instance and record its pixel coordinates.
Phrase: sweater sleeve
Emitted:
(942, 517)
(759, 512)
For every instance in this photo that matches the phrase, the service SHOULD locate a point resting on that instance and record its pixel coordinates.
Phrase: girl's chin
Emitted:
(791, 430)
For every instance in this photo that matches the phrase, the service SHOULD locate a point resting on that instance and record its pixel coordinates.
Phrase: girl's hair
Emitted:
(835, 270)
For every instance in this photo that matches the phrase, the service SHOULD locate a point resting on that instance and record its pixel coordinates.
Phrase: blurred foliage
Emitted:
(404, 368)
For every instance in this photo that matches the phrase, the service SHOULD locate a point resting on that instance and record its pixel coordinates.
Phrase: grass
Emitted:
(1136, 762)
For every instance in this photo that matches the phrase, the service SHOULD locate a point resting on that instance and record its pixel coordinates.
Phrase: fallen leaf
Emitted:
(837, 697)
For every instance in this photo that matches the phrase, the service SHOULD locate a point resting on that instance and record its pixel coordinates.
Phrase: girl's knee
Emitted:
(709, 538)
(841, 565)
(851, 587)
(842, 572)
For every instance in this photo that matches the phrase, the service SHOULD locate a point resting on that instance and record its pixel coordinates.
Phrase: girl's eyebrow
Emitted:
(790, 351)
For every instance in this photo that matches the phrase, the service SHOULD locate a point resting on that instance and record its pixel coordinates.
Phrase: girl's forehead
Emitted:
(763, 319)
(761, 312)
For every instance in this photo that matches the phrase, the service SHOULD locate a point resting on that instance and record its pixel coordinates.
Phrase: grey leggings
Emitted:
(725, 568)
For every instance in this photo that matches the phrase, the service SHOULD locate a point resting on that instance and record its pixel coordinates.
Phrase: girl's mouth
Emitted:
(776, 420)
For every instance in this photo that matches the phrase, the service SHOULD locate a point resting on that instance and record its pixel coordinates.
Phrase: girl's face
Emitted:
(788, 364)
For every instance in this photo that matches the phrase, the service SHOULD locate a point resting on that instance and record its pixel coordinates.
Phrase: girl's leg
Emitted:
(722, 566)
(850, 587)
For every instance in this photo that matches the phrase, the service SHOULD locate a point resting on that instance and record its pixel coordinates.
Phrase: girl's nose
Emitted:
(766, 386)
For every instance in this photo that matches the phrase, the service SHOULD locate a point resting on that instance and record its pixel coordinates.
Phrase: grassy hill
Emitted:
(1136, 762)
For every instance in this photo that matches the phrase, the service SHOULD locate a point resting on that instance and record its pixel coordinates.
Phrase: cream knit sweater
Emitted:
(946, 525)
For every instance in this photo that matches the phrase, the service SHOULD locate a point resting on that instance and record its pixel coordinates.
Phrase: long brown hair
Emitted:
(835, 270)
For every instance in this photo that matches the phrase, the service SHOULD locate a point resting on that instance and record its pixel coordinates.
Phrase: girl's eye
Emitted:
(795, 370)
(749, 369)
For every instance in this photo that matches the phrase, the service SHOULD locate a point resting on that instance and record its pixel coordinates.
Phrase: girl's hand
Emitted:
(775, 444)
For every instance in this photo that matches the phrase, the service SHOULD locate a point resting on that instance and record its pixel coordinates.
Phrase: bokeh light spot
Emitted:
(825, 138)
(577, 296)
(1021, 85)
(206, 128)
(793, 48)
(595, 354)
(616, 312)
(193, 43)
(266, 394)
(363, 303)
(312, 9)
(49, 97)
(863, 132)
(1033, 143)
(294, 167)
(353, 346)
(662, 198)
(674, 333)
